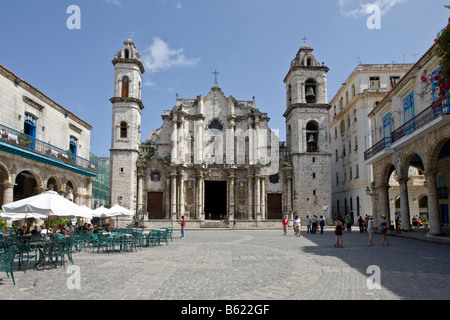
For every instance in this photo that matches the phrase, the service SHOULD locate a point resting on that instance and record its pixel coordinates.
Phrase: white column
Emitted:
(182, 198)
(174, 196)
(258, 198)
(263, 198)
(250, 197)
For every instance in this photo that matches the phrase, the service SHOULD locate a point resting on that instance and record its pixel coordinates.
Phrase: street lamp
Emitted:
(368, 192)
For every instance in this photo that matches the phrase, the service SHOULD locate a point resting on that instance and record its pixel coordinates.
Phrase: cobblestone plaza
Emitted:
(246, 265)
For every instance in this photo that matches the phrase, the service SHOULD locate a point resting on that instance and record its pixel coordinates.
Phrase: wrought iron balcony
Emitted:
(420, 121)
(21, 141)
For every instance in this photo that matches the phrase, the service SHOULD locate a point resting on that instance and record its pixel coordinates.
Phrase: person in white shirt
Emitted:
(297, 226)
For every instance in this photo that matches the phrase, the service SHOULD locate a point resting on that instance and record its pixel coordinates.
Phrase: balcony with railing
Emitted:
(419, 123)
(16, 142)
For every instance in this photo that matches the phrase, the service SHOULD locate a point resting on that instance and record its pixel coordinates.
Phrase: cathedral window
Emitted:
(125, 87)
(127, 54)
(215, 125)
(123, 130)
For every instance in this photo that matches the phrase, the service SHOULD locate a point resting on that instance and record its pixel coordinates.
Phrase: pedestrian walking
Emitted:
(308, 224)
(183, 226)
(285, 224)
(338, 226)
(348, 223)
(314, 224)
(321, 223)
(383, 229)
(366, 222)
(361, 224)
(297, 225)
(370, 230)
(234, 223)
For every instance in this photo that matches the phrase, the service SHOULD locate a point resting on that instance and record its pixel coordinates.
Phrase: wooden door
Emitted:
(155, 205)
(274, 206)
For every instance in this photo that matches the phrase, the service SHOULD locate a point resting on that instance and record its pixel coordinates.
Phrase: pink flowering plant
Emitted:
(441, 78)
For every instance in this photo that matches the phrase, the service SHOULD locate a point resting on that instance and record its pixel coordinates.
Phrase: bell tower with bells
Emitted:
(307, 135)
(127, 107)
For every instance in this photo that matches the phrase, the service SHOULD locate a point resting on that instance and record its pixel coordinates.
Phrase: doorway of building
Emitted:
(155, 205)
(274, 206)
(215, 200)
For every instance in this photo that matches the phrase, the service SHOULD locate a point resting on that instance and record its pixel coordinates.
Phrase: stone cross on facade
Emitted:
(215, 73)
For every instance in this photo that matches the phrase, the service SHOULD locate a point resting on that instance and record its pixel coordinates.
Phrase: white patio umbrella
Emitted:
(87, 212)
(117, 211)
(20, 216)
(46, 205)
(98, 213)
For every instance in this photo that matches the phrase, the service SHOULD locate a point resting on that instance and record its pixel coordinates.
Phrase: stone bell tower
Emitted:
(307, 134)
(126, 125)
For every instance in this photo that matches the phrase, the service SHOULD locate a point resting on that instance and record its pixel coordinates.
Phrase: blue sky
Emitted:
(250, 42)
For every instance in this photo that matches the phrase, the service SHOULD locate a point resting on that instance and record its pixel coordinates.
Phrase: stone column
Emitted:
(263, 198)
(231, 204)
(182, 202)
(173, 197)
(174, 139)
(250, 197)
(167, 197)
(381, 200)
(258, 198)
(199, 196)
(404, 203)
(8, 193)
(202, 197)
(433, 203)
(230, 147)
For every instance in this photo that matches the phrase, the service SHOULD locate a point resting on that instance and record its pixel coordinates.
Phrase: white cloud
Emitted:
(355, 8)
(114, 2)
(148, 83)
(178, 5)
(160, 57)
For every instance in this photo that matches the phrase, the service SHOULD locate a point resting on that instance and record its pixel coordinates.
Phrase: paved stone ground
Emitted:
(247, 265)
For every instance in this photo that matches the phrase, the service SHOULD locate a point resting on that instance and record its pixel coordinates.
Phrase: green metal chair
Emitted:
(170, 233)
(7, 262)
(68, 245)
(93, 241)
(164, 235)
(104, 242)
(47, 253)
(153, 238)
(138, 240)
(24, 253)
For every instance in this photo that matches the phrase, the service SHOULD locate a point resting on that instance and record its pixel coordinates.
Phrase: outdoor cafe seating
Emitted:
(52, 250)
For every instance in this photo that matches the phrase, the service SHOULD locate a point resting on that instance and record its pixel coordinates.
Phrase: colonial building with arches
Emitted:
(350, 134)
(43, 146)
(215, 158)
(412, 147)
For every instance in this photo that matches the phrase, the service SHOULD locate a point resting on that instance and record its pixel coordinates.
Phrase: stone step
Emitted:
(215, 224)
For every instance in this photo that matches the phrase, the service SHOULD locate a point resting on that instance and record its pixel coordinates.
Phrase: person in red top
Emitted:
(183, 225)
(285, 224)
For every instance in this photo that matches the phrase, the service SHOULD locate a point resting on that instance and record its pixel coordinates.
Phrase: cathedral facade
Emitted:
(215, 159)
